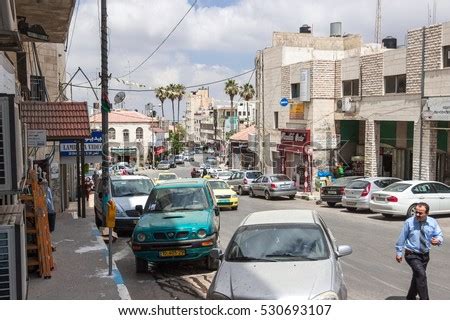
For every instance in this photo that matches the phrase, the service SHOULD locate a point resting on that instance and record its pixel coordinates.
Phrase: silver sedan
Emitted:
(275, 185)
(280, 254)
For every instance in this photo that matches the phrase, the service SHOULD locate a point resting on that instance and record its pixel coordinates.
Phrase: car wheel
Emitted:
(267, 195)
(331, 204)
(141, 265)
(387, 215)
(351, 209)
(411, 211)
(292, 196)
(251, 193)
(98, 222)
(240, 191)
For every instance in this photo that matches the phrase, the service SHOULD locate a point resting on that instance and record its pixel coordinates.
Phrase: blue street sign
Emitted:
(284, 102)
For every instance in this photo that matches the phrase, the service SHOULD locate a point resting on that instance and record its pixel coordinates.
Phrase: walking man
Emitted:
(419, 233)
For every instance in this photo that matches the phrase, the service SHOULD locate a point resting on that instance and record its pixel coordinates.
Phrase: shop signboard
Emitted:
(437, 109)
(92, 149)
(36, 138)
(295, 137)
(297, 111)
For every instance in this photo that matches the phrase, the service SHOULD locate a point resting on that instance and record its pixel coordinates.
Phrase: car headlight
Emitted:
(327, 295)
(201, 233)
(141, 237)
(218, 296)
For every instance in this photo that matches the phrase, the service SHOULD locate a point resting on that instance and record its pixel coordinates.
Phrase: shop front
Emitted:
(124, 154)
(293, 159)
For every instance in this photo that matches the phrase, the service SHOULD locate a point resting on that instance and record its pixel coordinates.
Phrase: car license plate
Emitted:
(172, 253)
(380, 199)
(332, 192)
(351, 203)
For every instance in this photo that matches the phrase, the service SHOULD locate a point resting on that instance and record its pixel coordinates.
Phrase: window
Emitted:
(423, 188)
(350, 88)
(228, 113)
(37, 86)
(441, 188)
(295, 90)
(395, 84)
(126, 135)
(275, 120)
(240, 113)
(139, 133)
(111, 133)
(446, 51)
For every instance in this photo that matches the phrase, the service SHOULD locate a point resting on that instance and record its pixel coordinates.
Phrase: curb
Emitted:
(308, 197)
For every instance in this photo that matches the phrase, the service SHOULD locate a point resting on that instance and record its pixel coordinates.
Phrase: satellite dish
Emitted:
(119, 97)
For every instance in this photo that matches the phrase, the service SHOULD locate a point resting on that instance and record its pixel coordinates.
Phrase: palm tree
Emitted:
(231, 89)
(161, 94)
(181, 90)
(171, 90)
(247, 93)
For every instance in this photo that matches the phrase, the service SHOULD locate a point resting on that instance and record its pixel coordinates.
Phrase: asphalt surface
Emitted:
(371, 271)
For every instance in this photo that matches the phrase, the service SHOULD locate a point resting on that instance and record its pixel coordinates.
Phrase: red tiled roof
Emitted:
(122, 116)
(243, 134)
(62, 120)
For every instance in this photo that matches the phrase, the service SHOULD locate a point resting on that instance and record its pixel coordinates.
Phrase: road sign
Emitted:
(284, 102)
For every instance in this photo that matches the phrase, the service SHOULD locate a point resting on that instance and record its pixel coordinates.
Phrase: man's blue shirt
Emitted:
(410, 235)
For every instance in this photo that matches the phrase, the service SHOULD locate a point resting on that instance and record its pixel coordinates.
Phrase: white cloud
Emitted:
(234, 33)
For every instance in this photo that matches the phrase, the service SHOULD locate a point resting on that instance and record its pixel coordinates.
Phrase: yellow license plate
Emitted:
(172, 253)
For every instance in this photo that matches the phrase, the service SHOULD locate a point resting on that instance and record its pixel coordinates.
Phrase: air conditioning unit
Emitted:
(13, 260)
(11, 165)
(346, 104)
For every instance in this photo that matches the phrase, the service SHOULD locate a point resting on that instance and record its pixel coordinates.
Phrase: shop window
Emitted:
(446, 51)
(395, 84)
(295, 90)
(275, 119)
(111, 134)
(126, 135)
(350, 88)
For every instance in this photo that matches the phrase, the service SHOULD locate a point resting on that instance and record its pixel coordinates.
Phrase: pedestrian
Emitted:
(419, 233)
(88, 184)
(205, 172)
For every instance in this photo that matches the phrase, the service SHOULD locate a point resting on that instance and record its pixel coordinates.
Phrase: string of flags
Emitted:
(130, 83)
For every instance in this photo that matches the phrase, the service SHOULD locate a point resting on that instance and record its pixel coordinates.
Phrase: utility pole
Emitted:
(105, 109)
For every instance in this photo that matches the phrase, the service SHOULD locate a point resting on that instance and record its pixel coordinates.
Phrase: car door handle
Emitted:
(441, 197)
(421, 197)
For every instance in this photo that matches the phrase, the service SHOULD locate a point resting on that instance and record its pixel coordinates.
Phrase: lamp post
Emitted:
(150, 106)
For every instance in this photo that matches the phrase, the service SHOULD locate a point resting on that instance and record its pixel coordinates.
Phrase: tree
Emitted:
(176, 138)
(171, 90)
(247, 93)
(231, 89)
(161, 94)
(181, 90)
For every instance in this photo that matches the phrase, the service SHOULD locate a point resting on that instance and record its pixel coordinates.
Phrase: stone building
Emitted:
(355, 103)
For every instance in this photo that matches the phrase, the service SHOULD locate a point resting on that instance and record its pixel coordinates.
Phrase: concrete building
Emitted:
(355, 103)
(197, 104)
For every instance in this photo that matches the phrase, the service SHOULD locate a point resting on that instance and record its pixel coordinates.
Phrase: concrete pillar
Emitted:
(371, 148)
(427, 163)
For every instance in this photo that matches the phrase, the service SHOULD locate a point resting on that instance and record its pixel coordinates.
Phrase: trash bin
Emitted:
(51, 221)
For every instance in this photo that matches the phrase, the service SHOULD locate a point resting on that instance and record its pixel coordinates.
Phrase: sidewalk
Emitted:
(81, 263)
(315, 196)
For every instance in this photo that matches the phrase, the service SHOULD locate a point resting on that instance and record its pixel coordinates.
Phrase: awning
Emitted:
(159, 150)
(125, 151)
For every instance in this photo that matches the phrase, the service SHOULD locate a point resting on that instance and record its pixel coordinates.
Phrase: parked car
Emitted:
(122, 169)
(332, 194)
(163, 165)
(180, 222)
(165, 177)
(400, 198)
(225, 197)
(240, 180)
(172, 163)
(127, 192)
(357, 194)
(280, 254)
(275, 185)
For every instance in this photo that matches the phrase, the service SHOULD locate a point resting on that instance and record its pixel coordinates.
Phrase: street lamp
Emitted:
(151, 106)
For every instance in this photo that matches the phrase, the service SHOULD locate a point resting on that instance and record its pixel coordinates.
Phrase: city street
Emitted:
(371, 272)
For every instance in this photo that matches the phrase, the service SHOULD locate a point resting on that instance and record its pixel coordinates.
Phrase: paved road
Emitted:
(371, 272)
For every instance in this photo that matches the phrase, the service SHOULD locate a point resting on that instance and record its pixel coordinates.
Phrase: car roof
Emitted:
(182, 183)
(127, 177)
(280, 216)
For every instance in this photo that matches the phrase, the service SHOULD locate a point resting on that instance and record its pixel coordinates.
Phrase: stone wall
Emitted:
(323, 79)
(424, 168)
(371, 148)
(372, 75)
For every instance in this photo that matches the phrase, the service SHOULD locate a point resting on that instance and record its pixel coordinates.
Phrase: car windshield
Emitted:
(278, 242)
(397, 187)
(167, 177)
(253, 174)
(279, 178)
(359, 184)
(176, 199)
(164, 162)
(219, 185)
(135, 187)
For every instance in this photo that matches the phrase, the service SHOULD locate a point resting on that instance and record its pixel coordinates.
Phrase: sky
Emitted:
(216, 40)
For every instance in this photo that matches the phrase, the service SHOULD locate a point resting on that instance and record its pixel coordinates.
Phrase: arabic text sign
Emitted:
(92, 146)
(37, 138)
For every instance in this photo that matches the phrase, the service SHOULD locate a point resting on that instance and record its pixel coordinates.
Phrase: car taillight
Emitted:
(273, 186)
(341, 190)
(245, 181)
(366, 191)
(392, 199)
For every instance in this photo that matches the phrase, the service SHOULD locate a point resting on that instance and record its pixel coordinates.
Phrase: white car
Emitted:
(400, 198)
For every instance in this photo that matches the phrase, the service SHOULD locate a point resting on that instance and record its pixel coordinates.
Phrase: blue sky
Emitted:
(218, 38)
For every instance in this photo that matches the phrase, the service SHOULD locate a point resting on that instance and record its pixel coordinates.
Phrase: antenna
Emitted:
(119, 97)
(434, 11)
(377, 37)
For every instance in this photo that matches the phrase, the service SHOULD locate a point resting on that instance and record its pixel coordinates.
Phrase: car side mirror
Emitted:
(216, 254)
(344, 251)
(216, 211)
(140, 209)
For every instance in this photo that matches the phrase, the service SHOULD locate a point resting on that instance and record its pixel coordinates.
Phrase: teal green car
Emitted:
(180, 222)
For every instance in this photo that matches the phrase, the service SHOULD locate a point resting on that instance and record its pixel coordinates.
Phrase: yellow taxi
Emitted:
(225, 197)
(165, 176)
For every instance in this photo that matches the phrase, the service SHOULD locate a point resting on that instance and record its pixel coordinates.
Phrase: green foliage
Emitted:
(176, 139)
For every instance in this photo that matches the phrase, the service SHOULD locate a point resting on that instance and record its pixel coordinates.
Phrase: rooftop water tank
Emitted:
(305, 29)
(390, 42)
(336, 29)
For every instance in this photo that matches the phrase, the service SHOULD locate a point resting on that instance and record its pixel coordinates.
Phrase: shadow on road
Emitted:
(396, 298)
